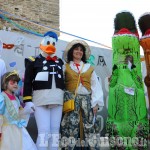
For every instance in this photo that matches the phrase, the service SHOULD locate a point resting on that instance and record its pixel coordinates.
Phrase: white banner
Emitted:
(28, 45)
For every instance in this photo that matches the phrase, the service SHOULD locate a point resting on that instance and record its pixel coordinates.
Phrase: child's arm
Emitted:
(24, 114)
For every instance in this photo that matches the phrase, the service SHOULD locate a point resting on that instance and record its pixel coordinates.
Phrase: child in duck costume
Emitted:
(43, 92)
(127, 122)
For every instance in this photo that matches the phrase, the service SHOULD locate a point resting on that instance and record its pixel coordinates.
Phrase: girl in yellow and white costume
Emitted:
(14, 136)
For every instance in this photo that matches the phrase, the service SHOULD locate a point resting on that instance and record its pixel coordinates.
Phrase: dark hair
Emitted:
(7, 77)
(70, 52)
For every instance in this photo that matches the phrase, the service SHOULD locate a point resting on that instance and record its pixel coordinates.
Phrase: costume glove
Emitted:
(29, 108)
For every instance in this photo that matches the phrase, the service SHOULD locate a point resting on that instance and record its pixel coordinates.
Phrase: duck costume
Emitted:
(127, 123)
(43, 91)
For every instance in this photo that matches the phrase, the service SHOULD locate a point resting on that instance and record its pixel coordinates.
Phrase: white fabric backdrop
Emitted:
(28, 45)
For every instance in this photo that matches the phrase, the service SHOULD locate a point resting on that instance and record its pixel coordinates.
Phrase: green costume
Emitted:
(127, 123)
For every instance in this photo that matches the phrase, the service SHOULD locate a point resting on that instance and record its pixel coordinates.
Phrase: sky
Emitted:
(94, 19)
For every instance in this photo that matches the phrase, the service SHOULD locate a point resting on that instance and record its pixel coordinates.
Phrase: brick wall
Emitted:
(41, 11)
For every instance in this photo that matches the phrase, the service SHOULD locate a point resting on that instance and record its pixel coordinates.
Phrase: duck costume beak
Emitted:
(49, 49)
(48, 43)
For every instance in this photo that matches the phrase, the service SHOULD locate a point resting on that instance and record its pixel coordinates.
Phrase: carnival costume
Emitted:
(127, 122)
(144, 24)
(12, 124)
(43, 88)
(78, 124)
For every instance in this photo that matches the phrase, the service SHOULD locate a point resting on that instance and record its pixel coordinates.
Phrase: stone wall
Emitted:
(45, 12)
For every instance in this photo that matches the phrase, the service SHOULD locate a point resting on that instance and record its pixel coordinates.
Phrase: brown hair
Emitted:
(7, 77)
(70, 52)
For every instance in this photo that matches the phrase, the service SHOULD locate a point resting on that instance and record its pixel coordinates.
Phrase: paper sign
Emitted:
(129, 91)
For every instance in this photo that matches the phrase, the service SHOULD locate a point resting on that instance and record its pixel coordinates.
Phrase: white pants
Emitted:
(48, 124)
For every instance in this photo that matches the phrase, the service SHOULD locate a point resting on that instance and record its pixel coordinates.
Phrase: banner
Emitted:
(26, 45)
